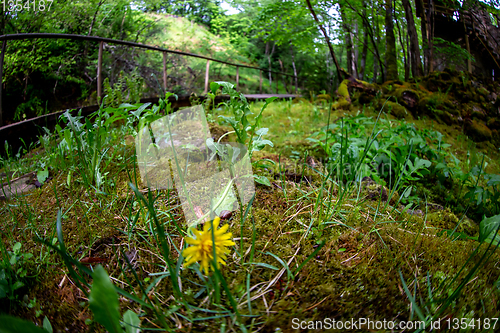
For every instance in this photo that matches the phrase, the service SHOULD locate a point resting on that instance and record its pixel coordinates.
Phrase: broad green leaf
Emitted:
(17, 285)
(132, 322)
(47, 325)
(103, 301)
(214, 86)
(11, 324)
(42, 175)
(487, 226)
(262, 180)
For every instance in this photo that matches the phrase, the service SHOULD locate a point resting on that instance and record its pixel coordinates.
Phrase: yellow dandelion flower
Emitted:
(201, 245)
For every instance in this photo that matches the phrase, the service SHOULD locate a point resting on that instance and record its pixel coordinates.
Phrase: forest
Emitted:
(152, 189)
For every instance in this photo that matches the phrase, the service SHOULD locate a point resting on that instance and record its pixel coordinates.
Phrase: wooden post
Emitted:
(165, 70)
(237, 78)
(206, 77)
(4, 44)
(99, 73)
(260, 84)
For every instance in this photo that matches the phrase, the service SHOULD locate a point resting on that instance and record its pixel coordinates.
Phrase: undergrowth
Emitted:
(367, 218)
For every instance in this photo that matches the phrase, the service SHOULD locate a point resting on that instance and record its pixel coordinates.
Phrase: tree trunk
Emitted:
(405, 58)
(351, 58)
(339, 73)
(269, 61)
(430, 29)
(376, 63)
(374, 37)
(356, 51)
(294, 68)
(390, 56)
(283, 76)
(364, 51)
(414, 50)
(425, 36)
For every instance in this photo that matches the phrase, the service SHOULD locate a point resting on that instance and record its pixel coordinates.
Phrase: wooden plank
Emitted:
(237, 78)
(165, 70)
(4, 44)
(99, 73)
(206, 77)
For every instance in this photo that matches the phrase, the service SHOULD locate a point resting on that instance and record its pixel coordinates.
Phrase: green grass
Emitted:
(318, 243)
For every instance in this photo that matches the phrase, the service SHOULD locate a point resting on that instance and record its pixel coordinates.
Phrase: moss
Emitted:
(341, 104)
(343, 90)
(408, 98)
(478, 131)
(447, 220)
(395, 109)
(297, 100)
(482, 91)
(324, 97)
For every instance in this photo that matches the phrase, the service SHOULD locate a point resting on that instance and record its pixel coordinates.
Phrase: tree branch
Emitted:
(339, 72)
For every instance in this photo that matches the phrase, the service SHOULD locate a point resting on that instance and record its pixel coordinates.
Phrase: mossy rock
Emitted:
(483, 91)
(365, 98)
(493, 123)
(478, 113)
(324, 97)
(447, 220)
(434, 104)
(436, 84)
(395, 109)
(408, 98)
(341, 104)
(297, 100)
(448, 118)
(375, 191)
(343, 90)
(478, 131)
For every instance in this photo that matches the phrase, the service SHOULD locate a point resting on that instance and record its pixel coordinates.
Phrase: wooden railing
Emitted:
(101, 41)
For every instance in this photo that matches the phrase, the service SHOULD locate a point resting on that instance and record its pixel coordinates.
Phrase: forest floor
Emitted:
(367, 215)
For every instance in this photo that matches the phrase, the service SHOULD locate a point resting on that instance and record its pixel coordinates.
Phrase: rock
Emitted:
(478, 131)
(482, 91)
(478, 113)
(493, 123)
(395, 109)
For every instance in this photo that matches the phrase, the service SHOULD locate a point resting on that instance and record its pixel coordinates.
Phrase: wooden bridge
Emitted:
(29, 129)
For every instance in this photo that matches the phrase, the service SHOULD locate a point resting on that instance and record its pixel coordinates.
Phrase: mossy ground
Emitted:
(368, 241)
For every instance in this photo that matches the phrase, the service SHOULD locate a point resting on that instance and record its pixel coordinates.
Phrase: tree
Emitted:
(415, 63)
(390, 56)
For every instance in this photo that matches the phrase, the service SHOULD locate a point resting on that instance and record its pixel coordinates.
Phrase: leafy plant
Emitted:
(247, 134)
(13, 272)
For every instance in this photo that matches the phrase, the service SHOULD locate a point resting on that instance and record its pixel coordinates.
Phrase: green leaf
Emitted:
(214, 86)
(47, 325)
(42, 175)
(103, 301)
(487, 226)
(132, 322)
(262, 180)
(17, 285)
(15, 325)
(16, 247)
